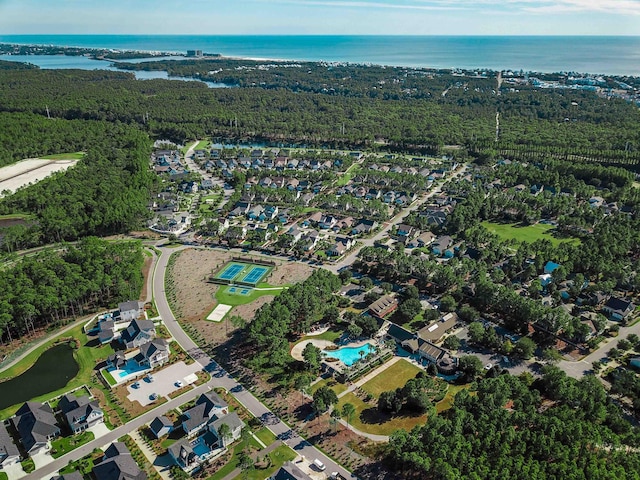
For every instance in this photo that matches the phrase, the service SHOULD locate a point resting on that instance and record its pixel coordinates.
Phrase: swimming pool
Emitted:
(201, 448)
(129, 369)
(348, 355)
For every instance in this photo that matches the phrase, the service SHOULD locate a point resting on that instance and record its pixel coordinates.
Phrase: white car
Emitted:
(179, 384)
(488, 366)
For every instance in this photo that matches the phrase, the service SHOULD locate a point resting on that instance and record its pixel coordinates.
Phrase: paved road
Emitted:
(388, 225)
(580, 368)
(48, 470)
(251, 403)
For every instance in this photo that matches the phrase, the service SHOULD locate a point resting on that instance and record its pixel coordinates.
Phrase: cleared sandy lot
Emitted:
(29, 171)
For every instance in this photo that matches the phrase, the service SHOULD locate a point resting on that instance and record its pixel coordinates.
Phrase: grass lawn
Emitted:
(266, 436)
(393, 377)
(226, 298)
(202, 145)
(4, 476)
(330, 335)
(278, 457)
(86, 356)
(331, 383)
(447, 402)
(63, 445)
(65, 156)
(346, 177)
(368, 419)
(28, 465)
(530, 233)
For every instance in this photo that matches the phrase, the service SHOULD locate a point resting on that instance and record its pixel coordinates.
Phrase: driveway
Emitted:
(163, 382)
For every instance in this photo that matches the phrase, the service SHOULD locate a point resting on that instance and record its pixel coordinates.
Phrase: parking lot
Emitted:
(162, 384)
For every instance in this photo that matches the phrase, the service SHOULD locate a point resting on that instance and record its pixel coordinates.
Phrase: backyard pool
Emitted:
(348, 355)
(130, 369)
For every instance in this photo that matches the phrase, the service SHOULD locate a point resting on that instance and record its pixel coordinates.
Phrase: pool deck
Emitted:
(296, 351)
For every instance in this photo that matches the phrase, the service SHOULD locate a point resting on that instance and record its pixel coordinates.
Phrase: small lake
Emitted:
(81, 62)
(52, 371)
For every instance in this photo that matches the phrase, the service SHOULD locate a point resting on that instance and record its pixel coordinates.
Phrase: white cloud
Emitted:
(627, 7)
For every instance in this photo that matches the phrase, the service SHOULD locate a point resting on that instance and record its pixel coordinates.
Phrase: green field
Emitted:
(223, 296)
(393, 377)
(65, 156)
(529, 234)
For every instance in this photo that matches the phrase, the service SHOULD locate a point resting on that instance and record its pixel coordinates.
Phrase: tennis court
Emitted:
(231, 271)
(255, 274)
(239, 290)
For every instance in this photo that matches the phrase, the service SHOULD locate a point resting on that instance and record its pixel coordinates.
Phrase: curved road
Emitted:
(224, 380)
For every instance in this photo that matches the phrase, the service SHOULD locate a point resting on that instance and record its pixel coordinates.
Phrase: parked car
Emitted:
(153, 396)
(179, 384)
(319, 465)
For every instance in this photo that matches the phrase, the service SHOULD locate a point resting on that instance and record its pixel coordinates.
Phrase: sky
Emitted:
(361, 17)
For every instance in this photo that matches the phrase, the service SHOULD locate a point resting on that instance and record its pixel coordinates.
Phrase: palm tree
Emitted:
(348, 409)
(224, 432)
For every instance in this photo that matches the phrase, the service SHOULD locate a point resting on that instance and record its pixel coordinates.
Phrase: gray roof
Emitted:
(182, 449)
(69, 476)
(118, 464)
(138, 326)
(212, 398)
(232, 420)
(82, 412)
(290, 471)
(35, 422)
(194, 417)
(7, 447)
(159, 423)
(69, 403)
(130, 305)
(158, 344)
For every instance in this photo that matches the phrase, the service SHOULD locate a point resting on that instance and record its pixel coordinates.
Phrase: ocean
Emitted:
(585, 54)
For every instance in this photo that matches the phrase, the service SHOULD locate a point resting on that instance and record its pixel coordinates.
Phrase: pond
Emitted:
(52, 371)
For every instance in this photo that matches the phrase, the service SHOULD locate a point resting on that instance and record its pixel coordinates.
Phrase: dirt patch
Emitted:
(194, 298)
(146, 271)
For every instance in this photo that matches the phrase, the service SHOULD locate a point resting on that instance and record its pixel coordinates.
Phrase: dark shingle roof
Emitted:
(232, 420)
(159, 423)
(290, 471)
(7, 447)
(118, 464)
(35, 422)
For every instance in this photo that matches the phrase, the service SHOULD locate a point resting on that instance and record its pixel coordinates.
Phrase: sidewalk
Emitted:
(149, 455)
(361, 381)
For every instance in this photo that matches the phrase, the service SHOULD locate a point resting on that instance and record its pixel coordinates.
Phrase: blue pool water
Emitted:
(130, 368)
(348, 355)
(200, 449)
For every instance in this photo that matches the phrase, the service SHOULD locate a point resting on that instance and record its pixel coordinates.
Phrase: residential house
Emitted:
(161, 426)
(327, 222)
(138, 333)
(241, 208)
(592, 298)
(208, 406)
(9, 453)
(255, 212)
(405, 230)
(441, 245)
(423, 240)
(309, 240)
(130, 310)
(295, 232)
(270, 212)
(118, 464)
(550, 267)
(116, 360)
(289, 471)
(75, 475)
(36, 426)
(234, 423)
(206, 184)
(618, 308)
(154, 353)
(364, 226)
(341, 245)
(106, 330)
(80, 412)
(383, 306)
(345, 223)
